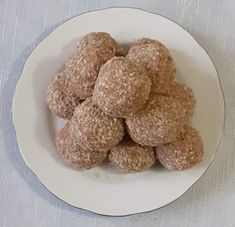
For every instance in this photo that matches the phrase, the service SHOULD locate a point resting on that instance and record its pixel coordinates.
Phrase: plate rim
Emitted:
(57, 26)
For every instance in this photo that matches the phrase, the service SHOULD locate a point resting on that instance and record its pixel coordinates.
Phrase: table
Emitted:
(23, 199)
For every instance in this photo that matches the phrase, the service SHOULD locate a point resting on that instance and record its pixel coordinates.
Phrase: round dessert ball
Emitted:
(60, 99)
(101, 39)
(83, 68)
(158, 122)
(94, 130)
(182, 94)
(122, 87)
(84, 65)
(130, 157)
(186, 151)
(155, 57)
(73, 154)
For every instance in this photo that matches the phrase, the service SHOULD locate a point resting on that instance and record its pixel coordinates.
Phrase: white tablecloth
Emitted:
(23, 199)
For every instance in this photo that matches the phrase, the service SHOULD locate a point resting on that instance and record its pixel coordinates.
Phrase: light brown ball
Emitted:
(101, 39)
(130, 157)
(73, 154)
(156, 58)
(94, 130)
(83, 66)
(60, 99)
(121, 88)
(182, 94)
(158, 122)
(186, 151)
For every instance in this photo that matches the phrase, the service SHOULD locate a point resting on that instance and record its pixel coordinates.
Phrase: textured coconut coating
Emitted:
(155, 57)
(182, 94)
(158, 122)
(73, 154)
(130, 157)
(93, 129)
(60, 99)
(186, 151)
(83, 68)
(100, 39)
(121, 88)
(144, 41)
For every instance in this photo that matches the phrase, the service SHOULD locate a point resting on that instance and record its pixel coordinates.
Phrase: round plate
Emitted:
(103, 190)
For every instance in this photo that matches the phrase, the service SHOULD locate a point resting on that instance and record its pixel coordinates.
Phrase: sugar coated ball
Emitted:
(100, 39)
(156, 58)
(130, 157)
(60, 99)
(182, 94)
(121, 88)
(93, 129)
(73, 154)
(84, 65)
(186, 151)
(158, 122)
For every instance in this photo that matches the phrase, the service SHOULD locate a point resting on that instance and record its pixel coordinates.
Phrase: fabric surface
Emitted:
(23, 199)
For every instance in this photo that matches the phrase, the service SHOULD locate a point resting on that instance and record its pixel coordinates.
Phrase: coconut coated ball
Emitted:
(60, 99)
(158, 122)
(156, 58)
(73, 154)
(182, 94)
(186, 151)
(84, 65)
(121, 88)
(83, 68)
(130, 157)
(101, 39)
(94, 130)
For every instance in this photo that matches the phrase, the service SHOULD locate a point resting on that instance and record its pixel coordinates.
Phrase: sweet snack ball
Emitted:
(73, 154)
(93, 129)
(186, 151)
(130, 157)
(121, 88)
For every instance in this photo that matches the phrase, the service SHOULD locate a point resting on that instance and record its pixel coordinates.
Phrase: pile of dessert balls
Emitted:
(127, 108)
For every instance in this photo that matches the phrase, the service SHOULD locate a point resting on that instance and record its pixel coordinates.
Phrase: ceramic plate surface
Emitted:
(103, 190)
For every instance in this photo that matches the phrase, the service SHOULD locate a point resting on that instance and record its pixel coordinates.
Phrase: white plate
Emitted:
(101, 189)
